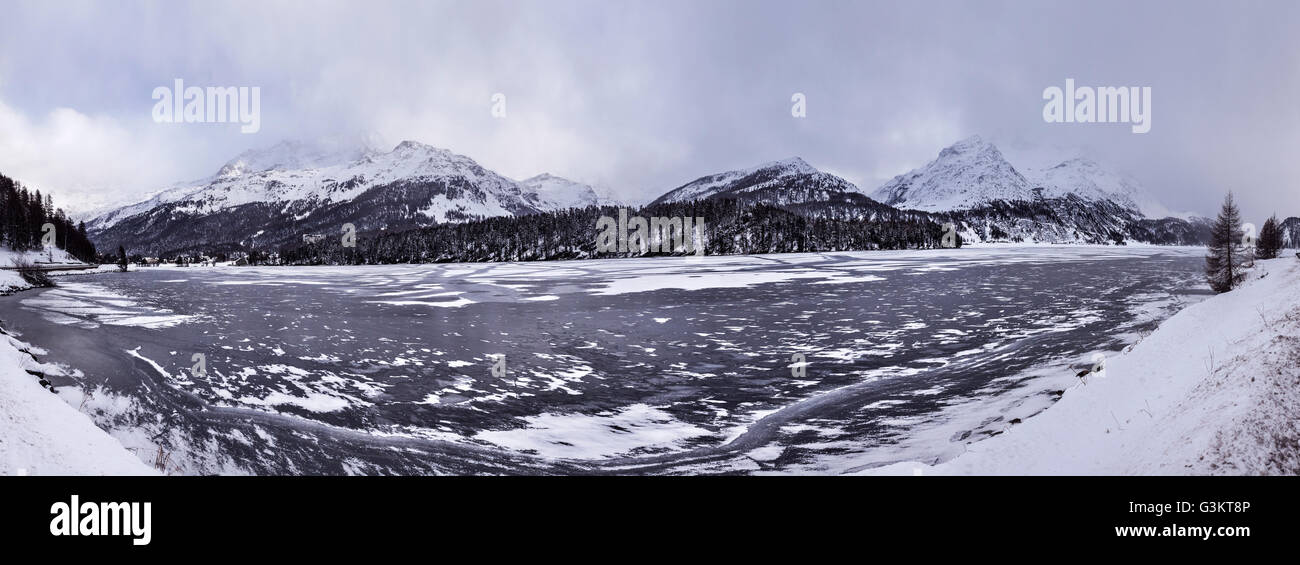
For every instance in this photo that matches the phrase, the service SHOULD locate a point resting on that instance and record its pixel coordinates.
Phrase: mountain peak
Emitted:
(971, 145)
(786, 180)
(549, 192)
(974, 171)
(294, 154)
(311, 184)
(793, 163)
(965, 174)
(412, 145)
(1062, 171)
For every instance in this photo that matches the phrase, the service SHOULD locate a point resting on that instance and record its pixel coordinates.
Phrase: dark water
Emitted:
(628, 366)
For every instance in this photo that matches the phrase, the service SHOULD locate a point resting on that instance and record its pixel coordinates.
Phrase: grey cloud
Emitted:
(644, 96)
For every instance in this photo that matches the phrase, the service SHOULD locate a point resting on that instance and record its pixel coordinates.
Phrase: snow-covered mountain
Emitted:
(549, 192)
(607, 196)
(1061, 171)
(315, 180)
(105, 219)
(974, 171)
(966, 174)
(293, 154)
(280, 195)
(789, 181)
(269, 197)
(1037, 194)
(286, 155)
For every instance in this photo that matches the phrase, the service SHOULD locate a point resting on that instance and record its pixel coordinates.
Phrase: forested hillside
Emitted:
(731, 227)
(23, 215)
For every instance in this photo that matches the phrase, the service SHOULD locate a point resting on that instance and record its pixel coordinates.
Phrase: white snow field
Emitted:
(41, 434)
(10, 281)
(1214, 390)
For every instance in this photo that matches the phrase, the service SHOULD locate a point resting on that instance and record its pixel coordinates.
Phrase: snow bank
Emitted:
(11, 281)
(9, 257)
(1214, 390)
(40, 434)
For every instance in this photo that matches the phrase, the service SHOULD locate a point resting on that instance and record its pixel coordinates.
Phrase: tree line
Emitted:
(24, 214)
(731, 227)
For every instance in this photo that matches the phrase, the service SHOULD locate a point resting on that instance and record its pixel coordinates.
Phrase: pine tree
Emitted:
(121, 258)
(1270, 240)
(1227, 255)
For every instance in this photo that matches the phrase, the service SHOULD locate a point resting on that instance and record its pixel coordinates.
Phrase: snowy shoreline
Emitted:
(40, 433)
(1213, 391)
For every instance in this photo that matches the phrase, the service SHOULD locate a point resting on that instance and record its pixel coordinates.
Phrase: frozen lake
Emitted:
(666, 365)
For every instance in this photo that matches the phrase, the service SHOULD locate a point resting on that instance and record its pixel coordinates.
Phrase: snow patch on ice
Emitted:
(598, 436)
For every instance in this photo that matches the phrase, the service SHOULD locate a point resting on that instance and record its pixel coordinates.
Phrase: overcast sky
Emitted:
(643, 96)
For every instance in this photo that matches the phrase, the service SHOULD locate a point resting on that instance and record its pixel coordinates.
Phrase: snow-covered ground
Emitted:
(10, 281)
(1214, 390)
(41, 434)
(8, 257)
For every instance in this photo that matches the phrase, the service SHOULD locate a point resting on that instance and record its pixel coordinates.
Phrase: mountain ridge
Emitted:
(787, 181)
(975, 171)
(282, 194)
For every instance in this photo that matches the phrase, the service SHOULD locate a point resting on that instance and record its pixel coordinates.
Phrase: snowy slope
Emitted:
(273, 197)
(105, 218)
(549, 192)
(974, 171)
(779, 182)
(1214, 390)
(11, 281)
(40, 434)
(311, 174)
(606, 196)
(967, 173)
(283, 156)
(767, 173)
(1061, 171)
(294, 154)
(319, 180)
